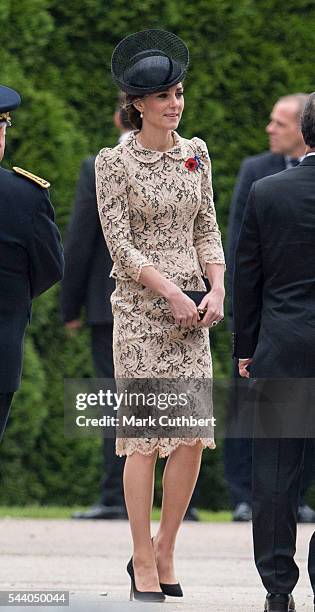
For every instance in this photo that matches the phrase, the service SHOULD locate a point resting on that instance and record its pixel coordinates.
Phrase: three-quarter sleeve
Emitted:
(207, 236)
(112, 200)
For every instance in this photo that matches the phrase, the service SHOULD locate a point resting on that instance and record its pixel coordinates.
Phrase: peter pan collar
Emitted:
(148, 156)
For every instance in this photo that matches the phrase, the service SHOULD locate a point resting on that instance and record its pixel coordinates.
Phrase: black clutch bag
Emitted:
(197, 296)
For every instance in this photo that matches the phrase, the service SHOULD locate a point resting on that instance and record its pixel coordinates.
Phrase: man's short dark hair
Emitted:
(308, 122)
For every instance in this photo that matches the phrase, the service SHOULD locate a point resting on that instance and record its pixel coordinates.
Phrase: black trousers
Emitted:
(237, 450)
(102, 353)
(277, 472)
(5, 404)
(284, 408)
(238, 453)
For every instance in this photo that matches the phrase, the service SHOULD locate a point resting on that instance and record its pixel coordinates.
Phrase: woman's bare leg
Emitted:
(179, 480)
(138, 488)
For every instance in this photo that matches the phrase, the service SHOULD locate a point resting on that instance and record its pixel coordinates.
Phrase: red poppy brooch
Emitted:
(193, 163)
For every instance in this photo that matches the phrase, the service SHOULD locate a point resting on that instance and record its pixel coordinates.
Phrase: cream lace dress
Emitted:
(155, 211)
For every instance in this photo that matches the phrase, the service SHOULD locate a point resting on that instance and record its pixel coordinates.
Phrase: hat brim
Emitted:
(141, 91)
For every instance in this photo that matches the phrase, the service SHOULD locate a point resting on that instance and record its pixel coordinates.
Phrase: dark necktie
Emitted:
(293, 161)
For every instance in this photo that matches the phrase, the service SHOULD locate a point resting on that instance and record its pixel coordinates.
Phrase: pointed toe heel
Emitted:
(172, 590)
(153, 596)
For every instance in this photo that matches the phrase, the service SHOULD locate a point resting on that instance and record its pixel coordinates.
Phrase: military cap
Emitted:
(9, 100)
(149, 61)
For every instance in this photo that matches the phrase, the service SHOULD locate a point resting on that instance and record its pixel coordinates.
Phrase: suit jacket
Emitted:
(252, 169)
(31, 261)
(88, 263)
(274, 281)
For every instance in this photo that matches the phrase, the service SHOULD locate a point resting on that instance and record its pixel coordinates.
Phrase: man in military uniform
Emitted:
(31, 257)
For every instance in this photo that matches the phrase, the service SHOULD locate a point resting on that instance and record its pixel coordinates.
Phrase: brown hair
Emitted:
(133, 114)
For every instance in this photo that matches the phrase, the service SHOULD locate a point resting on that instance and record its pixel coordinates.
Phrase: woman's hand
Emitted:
(213, 301)
(183, 308)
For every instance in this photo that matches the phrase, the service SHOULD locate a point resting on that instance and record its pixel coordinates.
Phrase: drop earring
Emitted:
(141, 115)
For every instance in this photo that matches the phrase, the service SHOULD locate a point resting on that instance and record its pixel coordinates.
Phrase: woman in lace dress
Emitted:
(155, 203)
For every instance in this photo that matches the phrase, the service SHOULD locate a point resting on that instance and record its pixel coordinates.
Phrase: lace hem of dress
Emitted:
(165, 446)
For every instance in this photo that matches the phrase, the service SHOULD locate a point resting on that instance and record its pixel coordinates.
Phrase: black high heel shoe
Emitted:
(172, 590)
(142, 595)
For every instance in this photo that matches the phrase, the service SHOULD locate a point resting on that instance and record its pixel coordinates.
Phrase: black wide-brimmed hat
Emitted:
(149, 61)
(9, 100)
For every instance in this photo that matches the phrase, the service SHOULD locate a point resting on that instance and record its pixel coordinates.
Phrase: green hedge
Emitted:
(244, 55)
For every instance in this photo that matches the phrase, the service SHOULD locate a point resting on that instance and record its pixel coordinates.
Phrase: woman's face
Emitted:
(163, 110)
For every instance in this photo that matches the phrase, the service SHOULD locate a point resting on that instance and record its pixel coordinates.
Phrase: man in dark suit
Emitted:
(31, 257)
(274, 322)
(87, 283)
(286, 149)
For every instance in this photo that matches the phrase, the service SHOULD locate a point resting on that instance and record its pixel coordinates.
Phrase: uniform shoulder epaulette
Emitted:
(32, 177)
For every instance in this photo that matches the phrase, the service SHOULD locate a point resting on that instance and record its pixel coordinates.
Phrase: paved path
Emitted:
(214, 563)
